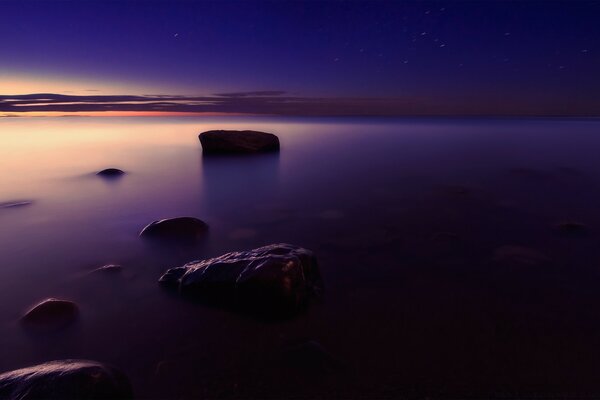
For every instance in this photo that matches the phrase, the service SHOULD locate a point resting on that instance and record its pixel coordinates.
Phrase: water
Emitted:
(445, 272)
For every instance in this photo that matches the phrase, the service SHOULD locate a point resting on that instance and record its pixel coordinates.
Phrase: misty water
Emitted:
(445, 267)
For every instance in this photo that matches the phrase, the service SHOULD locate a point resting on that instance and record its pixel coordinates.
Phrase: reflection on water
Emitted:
(236, 185)
(445, 271)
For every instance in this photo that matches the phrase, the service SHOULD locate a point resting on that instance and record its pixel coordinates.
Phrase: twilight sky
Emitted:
(301, 58)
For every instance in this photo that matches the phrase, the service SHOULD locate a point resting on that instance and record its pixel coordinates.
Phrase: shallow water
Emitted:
(446, 274)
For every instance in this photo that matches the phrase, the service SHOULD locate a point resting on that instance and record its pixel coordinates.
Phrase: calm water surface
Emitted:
(445, 272)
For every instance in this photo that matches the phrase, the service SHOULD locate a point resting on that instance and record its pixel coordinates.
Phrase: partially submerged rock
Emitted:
(110, 173)
(176, 229)
(51, 313)
(65, 380)
(109, 269)
(15, 203)
(273, 280)
(238, 142)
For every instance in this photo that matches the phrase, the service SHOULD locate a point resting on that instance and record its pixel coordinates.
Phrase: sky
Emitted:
(301, 57)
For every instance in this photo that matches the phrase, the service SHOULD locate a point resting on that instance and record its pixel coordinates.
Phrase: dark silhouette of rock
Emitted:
(176, 229)
(110, 173)
(15, 203)
(51, 313)
(65, 380)
(275, 281)
(238, 142)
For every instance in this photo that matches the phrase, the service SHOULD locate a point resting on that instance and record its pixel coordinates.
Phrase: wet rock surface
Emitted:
(65, 380)
(238, 142)
(176, 229)
(51, 313)
(274, 280)
(110, 173)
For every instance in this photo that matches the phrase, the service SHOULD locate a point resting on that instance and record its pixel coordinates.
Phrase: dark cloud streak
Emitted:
(277, 103)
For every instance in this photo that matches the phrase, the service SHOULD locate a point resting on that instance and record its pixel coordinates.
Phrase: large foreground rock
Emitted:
(176, 229)
(274, 280)
(65, 380)
(238, 142)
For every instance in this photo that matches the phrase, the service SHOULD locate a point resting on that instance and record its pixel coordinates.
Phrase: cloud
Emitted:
(261, 102)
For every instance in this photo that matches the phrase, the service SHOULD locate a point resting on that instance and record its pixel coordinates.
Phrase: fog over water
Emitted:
(445, 267)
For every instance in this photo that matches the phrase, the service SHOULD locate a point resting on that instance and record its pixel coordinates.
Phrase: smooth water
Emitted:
(445, 271)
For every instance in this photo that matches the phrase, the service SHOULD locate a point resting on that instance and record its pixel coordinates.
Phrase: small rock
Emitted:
(110, 173)
(179, 229)
(51, 313)
(238, 142)
(274, 280)
(16, 203)
(109, 268)
(65, 380)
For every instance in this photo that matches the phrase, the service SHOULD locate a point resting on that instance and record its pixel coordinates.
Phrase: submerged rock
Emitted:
(109, 269)
(15, 203)
(65, 380)
(274, 280)
(238, 142)
(110, 173)
(51, 313)
(178, 229)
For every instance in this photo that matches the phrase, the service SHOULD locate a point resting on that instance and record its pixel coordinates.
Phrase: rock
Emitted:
(16, 203)
(65, 380)
(51, 313)
(274, 280)
(178, 229)
(110, 173)
(109, 269)
(238, 142)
